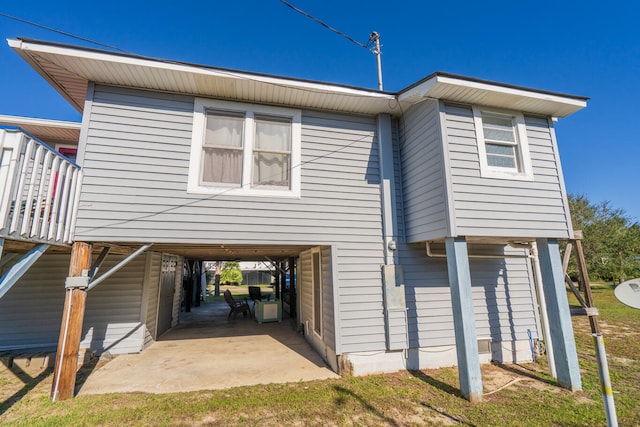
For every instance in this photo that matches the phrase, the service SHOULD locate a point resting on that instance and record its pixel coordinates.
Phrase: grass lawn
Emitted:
(515, 395)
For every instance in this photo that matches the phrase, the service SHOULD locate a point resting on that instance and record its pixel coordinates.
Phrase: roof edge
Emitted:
(489, 82)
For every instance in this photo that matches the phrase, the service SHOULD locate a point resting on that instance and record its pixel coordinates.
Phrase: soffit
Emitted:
(48, 131)
(69, 69)
(466, 90)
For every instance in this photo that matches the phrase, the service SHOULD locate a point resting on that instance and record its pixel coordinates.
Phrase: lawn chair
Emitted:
(236, 306)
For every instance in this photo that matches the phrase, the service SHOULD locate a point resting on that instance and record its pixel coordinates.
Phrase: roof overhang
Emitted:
(455, 88)
(69, 69)
(49, 131)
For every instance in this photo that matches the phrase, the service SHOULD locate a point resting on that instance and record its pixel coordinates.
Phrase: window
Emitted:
(502, 145)
(245, 149)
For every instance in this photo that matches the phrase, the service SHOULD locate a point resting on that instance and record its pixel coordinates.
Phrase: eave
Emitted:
(54, 131)
(69, 69)
(466, 90)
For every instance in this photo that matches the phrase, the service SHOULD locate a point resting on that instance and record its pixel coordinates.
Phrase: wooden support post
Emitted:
(283, 278)
(560, 328)
(64, 377)
(278, 277)
(464, 319)
(217, 280)
(586, 286)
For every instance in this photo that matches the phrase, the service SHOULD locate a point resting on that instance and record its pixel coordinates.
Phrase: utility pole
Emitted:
(375, 38)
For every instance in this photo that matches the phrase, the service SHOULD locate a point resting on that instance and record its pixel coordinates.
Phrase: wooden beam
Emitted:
(463, 319)
(64, 376)
(584, 278)
(560, 328)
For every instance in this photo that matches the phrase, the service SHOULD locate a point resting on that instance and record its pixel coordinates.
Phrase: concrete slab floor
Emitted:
(206, 351)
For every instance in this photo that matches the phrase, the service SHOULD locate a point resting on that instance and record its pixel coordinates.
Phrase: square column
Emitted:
(464, 319)
(560, 327)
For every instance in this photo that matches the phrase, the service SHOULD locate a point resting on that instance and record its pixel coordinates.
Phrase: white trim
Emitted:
(86, 122)
(446, 170)
(524, 170)
(77, 52)
(470, 91)
(320, 335)
(335, 291)
(512, 91)
(18, 121)
(563, 188)
(249, 110)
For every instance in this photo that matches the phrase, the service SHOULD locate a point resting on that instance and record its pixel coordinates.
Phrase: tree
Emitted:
(611, 240)
(231, 272)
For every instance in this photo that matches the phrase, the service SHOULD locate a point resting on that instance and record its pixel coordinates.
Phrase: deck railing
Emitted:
(39, 190)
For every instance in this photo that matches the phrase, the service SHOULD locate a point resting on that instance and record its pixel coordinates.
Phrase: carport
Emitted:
(207, 351)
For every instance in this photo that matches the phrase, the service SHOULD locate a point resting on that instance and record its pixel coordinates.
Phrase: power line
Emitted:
(64, 33)
(340, 33)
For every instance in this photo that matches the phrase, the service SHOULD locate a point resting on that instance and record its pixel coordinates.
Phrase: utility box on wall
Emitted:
(268, 311)
(395, 308)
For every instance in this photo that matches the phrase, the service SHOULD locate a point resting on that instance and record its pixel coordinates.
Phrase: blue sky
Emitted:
(583, 48)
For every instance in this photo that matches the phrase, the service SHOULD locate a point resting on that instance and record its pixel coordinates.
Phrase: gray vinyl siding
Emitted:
(112, 321)
(328, 331)
(177, 295)
(423, 173)
(136, 164)
(305, 289)
(150, 296)
(306, 295)
(31, 312)
(502, 297)
(503, 207)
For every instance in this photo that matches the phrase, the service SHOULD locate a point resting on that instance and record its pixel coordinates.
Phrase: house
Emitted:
(423, 224)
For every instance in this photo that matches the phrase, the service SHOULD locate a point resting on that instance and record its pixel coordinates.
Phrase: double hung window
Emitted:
(502, 145)
(245, 149)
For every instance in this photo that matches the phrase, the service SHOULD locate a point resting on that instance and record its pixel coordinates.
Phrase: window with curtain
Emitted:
(272, 152)
(245, 149)
(222, 149)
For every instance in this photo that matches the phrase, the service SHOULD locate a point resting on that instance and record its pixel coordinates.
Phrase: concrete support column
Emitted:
(560, 328)
(464, 319)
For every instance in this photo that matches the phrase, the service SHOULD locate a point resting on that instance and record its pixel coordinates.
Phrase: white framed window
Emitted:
(502, 145)
(245, 149)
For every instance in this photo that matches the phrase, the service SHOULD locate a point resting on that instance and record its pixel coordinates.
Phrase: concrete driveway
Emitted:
(206, 351)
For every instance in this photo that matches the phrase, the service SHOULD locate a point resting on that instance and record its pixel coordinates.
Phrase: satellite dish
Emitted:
(629, 293)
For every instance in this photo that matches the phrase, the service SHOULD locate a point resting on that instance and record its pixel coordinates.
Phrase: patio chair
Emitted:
(236, 306)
